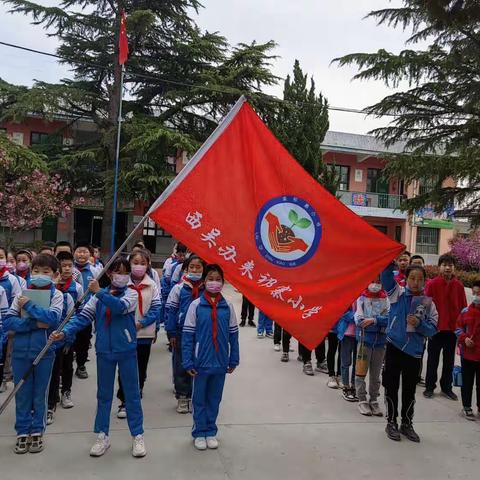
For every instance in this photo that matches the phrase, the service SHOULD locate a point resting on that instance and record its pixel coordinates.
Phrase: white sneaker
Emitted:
(259, 335)
(138, 447)
(183, 405)
(101, 445)
(66, 401)
(276, 347)
(332, 383)
(122, 412)
(212, 443)
(50, 417)
(200, 443)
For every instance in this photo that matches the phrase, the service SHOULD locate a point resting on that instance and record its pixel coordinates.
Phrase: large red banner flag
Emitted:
(123, 39)
(288, 245)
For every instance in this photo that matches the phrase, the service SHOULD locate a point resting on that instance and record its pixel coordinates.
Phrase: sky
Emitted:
(312, 31)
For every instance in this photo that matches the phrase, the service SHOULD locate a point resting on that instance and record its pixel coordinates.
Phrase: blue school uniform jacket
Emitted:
(198, 350)
(400, 298)
(376, 308)
(118, 336)
(3, 312)
(11, 286)
(178, 302)
(342, 324)
(29, 340)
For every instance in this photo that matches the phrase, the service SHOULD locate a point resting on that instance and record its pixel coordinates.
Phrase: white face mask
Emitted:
(374, 287)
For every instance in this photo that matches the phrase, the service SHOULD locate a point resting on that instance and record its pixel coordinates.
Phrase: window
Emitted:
(381, 228)
(375, 181)
(427, 240)
(151, 231)
(39, 138)
(426, 186)
(343, 173)
(398, 233)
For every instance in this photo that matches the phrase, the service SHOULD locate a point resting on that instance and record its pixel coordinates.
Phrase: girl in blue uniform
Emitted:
(113, 311)
(210, 350)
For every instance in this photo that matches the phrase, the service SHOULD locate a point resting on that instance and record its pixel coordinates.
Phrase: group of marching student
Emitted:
(384, 335)
(126, 315)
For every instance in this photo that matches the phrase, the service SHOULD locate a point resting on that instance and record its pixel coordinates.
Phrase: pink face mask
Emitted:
(214, 286)
(22, 266)
(3, 263)
(139, 271)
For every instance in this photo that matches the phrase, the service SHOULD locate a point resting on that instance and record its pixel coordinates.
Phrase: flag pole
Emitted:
(117, 162)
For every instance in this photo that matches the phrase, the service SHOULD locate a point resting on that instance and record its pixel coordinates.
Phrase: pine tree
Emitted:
(438, 116)
(179, 81)
(301, 123)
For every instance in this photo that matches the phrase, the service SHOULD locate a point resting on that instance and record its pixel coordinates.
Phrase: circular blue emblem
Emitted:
(287, 231)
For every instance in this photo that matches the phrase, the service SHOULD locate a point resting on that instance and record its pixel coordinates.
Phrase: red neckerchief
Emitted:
(81, 268)
(194, 285)
(214, 303)
(23, 274)
(33, 287)
(108, 312)
(63, 287)
(3, 270)
(138, 288)
(381, 294)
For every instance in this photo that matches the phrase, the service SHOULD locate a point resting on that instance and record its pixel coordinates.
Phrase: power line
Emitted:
(164, 80)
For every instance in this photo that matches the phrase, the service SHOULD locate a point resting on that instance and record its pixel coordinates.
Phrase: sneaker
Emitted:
(212, 443)
(3, 388)
(122, 412)
(299, 359)
(285, 357)
(269, 335)
(251, 323)
(276, 347)
(340, 383)
(428, 393)
(242, 323)
(347, 394)
(421, 381)
(468, 414)
(364, 409)
(451, 395)
(259, 335)
(183, 405)
(138, 447)
(50, 417)
(409, 432)
(22, 444)
(66, 401)
(321, 367)
(376, 410)
(354, 394)
(101, 445)
(81, 373)
(392, 431)
(308, 369)
(36, 443)
(332, 383)
(200, 443)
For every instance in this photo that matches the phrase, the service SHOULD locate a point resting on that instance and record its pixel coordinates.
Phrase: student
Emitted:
(346, 334)
(265, 326)
(468, 332)
(248, 310)
(97, 262)
(23, 258)
(417, 260)
(306, 356)
(403, 261)
(82, 254)
(179, 301)
(146, 319)
(333, 348)
(30, 338)
(166, 286)
(151, 272)
(448, 293)
(407, 330)
(113, 311)
(46, 250)
(64, 246)
(371, 318)
(63, 366)
(210, 350)
(3, 311)
(168, 262)
(281, 341)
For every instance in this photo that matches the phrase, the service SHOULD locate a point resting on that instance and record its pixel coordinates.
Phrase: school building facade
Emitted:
(358, 160)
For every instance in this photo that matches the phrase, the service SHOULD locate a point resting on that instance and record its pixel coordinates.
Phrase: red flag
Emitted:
(293, 249)
(123, 40)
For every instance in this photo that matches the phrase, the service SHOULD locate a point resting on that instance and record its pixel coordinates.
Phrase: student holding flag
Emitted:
(210, 349)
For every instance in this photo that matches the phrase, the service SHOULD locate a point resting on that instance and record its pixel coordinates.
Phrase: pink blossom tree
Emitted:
(467, 251)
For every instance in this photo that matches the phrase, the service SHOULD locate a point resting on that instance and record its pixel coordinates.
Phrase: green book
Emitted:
(41, 298)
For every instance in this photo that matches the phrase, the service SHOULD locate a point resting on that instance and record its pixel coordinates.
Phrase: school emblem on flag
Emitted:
(288, 231)
(287, 244)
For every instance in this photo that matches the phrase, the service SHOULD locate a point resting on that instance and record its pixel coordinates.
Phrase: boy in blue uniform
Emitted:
(265, 326)
(31, 334)
(113, 311)
(210, 350)
(406, 332)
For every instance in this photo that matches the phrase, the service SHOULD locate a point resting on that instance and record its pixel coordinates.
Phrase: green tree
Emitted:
(179, 82)
(438, 115)
(300, 122)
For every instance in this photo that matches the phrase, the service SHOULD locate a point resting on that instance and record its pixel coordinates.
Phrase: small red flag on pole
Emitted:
(123, 40)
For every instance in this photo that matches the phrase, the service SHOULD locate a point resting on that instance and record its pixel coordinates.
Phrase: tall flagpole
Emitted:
(117, 166)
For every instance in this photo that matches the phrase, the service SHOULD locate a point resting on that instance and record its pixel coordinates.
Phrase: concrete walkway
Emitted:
(275, 423)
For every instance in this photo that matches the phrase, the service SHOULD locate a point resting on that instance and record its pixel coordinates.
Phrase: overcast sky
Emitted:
(312, 31)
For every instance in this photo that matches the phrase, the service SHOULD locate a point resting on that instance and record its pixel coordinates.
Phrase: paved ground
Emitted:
(276, 423)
